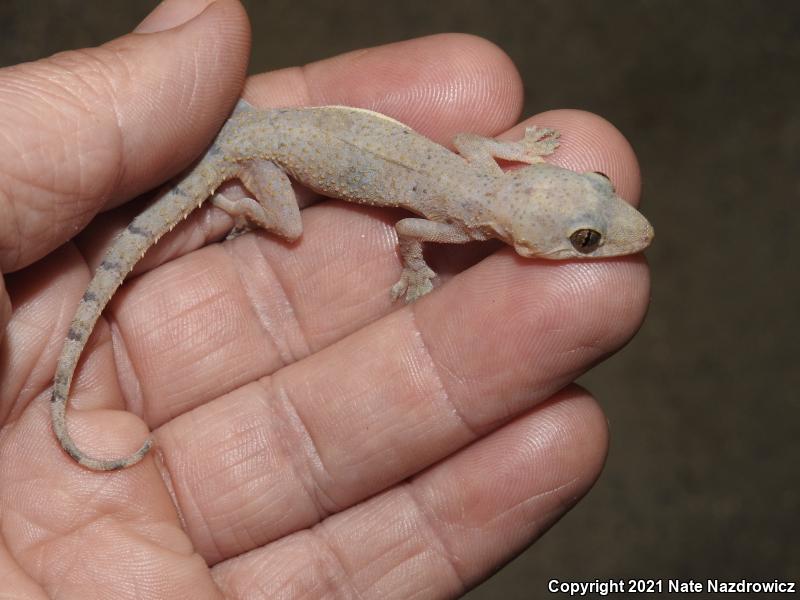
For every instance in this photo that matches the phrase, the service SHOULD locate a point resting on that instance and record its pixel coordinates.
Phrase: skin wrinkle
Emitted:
(132, 394)
(276, 282)
(97, 78)
(225, 318)
(439, 382)
(314, 469)
(206, 528)
(100, 89)
(324, 543)
(564, 501)
(165, 473)
(376, 583)
(264, 322)
(205, 525)
(241, 535)
(11, 220)
(338, 574)
(563, 504)
(304, 78)
(23, 398)
(11, 223)
(120, 152)
(51, 97)
(407, 491)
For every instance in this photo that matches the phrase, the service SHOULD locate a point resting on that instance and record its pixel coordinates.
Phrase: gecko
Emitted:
(541, 210)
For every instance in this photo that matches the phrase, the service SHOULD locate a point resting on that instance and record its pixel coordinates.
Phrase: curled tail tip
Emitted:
(95, 464)
(58, 421)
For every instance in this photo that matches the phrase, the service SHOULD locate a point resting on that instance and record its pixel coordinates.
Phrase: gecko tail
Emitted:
(58, 411)
(129, 246)
(96, 464)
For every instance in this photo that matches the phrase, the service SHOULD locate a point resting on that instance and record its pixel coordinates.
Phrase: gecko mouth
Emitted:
(524, 251)
(555, 254)
(649, 236)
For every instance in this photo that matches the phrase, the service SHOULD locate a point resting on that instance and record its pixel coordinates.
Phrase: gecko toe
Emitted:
(413, 284)
(398, 289)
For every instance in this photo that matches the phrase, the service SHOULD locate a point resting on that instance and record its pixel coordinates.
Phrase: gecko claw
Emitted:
(413, 284)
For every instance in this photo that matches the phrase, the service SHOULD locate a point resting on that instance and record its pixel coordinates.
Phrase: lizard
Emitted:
(541, 210)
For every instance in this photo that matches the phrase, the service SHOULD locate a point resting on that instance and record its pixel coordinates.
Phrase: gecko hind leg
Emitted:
(274, 208)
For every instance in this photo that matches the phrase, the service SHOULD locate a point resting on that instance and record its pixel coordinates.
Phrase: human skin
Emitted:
(312, 437)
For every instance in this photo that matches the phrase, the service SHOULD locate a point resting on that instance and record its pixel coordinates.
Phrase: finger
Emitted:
(446, 530)
(94, 127)
(439, 85)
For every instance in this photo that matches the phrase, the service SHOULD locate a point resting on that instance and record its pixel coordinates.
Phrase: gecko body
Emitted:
(364, 157)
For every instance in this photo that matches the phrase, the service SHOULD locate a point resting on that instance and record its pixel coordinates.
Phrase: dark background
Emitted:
(704, 405)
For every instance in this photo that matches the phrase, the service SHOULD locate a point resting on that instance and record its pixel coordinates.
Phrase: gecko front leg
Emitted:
(482, 152)
(417, 276)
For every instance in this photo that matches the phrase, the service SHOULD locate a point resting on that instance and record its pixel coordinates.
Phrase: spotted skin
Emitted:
(367, 158)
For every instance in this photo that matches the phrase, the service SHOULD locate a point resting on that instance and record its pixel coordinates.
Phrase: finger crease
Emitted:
(313, 471)
(428, 522)
(439, 381)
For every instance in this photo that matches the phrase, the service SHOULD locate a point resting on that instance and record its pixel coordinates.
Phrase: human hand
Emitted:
(311, 437)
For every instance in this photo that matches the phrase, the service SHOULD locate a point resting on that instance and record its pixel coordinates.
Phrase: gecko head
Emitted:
(556, 213)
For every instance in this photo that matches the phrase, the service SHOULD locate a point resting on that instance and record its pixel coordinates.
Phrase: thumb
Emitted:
(87, 129)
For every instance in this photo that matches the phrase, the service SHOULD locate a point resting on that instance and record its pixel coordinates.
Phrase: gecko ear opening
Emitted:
(602, 179)
(585, 241)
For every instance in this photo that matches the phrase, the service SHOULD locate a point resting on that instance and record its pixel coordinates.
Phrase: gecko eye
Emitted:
(585, 241)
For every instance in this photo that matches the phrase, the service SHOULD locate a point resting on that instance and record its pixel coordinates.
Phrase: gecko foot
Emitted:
(239, 229)
(413, 284)
(538, 142)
